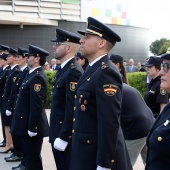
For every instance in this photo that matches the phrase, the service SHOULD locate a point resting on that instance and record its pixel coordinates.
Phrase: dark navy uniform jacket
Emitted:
(155, 95)
(10, 81)
(29, 113)
(62, 108)
(97, 135)
(158, 142)
(3, 76)
(16, 88)
(136, 117)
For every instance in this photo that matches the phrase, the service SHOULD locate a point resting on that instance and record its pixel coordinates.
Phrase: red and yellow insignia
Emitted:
(37, 87)
(73, 86)
(14, 78)
(110, 89)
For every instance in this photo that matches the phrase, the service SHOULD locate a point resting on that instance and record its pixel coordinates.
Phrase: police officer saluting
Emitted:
(30, 122)
(62, 108)
(97, 141)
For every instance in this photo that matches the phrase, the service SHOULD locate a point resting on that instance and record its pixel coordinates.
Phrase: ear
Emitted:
(102, 43)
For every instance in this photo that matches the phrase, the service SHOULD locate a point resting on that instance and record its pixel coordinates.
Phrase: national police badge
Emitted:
(73, 86)
(162, 91)
(37, 87)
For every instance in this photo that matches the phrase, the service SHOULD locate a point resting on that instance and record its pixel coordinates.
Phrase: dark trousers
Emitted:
(3, 130)
(17, 145)
(31, 149)
(62, 158)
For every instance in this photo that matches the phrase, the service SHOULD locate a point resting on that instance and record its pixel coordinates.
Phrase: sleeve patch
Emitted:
(37, 87)
(162, 91)
(110, 89)
(73, 86)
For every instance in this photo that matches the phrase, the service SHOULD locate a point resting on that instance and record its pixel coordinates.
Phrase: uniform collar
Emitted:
(33, 69)
(65, 62)
(97, 59)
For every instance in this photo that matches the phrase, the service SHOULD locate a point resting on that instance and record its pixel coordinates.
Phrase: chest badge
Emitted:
(37, 87)
(73, 86)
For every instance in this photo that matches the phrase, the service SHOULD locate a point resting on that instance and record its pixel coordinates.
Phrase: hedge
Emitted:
(136, 80)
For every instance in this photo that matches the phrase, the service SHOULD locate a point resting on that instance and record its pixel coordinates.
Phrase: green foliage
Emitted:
(157, 44)
(50, 78)
(138, 81)
(164, 48)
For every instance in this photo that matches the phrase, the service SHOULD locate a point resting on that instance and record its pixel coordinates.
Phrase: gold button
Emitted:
(22, 87)
(112, 161)
(81, 96)
(74, 108)
(61, 122)
(88, 141)
(159, 138)
(73, 131)
(69, 136)
(57, 86)
(35, 127)
(75, 96)
(74, 119)
(21, 117)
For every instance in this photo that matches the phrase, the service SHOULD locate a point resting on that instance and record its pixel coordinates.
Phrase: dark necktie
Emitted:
(88, 67)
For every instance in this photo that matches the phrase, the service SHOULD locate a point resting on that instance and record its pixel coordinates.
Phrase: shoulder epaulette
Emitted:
(104, 66)
(73, 66)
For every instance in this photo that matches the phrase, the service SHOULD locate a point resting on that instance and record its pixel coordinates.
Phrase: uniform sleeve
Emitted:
(108, 98)
(70, 85)
(37, 101)
(12, 93)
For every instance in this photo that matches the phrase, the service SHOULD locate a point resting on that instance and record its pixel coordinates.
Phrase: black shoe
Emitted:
(9, 156)
(19, 167)
(13, 158)
(7, 151)
(2, 144)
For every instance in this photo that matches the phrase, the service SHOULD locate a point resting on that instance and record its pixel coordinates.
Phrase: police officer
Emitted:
(158, 140)
(62, 108)
(32, 117)
(97, 141)
(22, 62)
(11, 60)
(118, 61)
(3, 76)
(155, 97)
(3, 49)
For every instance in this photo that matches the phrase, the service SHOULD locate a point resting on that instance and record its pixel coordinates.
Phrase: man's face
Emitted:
(89, 45)
(60, 50)
(31, 61)
(2, 62)
(131, 62)
(11, 59)
(21, 60)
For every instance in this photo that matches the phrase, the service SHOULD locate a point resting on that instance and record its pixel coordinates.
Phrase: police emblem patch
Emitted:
(14, 78)
(73, 86)
(110, 89)
(162, 91)
(37, 87)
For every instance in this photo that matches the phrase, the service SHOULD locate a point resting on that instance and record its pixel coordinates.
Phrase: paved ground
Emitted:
(48, 161)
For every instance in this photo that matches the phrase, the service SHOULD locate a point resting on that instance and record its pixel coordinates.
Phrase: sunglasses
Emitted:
(165, 67)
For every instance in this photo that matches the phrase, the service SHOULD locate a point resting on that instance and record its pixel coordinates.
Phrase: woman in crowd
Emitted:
(158, 142)
(118, 61)
(155, 97)
(82, 61)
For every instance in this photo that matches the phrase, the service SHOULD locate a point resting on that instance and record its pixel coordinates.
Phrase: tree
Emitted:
(157, 45)
(164, 48)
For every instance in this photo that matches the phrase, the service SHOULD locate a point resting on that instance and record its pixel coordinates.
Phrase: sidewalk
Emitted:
(47, 157)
